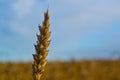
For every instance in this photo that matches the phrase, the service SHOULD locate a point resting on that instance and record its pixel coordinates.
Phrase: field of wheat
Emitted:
(69, 70)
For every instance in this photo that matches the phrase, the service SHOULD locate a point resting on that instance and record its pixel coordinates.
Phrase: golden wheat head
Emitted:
(41, 48)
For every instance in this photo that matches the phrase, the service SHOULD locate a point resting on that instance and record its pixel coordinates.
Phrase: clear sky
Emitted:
(80, 28)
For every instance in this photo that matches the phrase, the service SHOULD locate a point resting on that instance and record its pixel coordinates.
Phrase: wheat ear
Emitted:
(41, 48)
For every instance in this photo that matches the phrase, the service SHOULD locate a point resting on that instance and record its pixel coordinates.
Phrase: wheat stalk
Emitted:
(41, 48)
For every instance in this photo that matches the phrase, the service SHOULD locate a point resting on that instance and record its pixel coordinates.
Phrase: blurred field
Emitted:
(72, 70)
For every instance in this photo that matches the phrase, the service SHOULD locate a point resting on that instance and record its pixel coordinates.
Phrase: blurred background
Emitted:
(80, 28)
(84, 32)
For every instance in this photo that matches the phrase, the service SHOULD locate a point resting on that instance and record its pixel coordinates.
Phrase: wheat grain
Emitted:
(41, 48)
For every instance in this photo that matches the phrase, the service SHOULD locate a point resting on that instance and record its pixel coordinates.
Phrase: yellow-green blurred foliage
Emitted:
(72, 70)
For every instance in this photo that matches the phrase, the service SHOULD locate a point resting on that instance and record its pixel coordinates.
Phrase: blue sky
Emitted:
(80, 28)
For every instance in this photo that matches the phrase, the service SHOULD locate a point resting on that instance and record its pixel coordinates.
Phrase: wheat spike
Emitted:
(41, 48)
